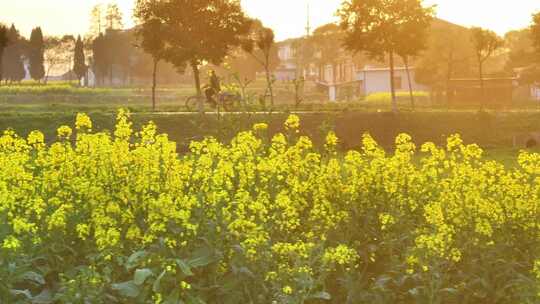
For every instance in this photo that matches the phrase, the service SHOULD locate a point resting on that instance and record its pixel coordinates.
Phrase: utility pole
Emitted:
(305, 64)
(308, 25)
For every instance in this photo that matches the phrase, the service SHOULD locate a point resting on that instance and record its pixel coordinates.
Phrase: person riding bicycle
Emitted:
(213, 89)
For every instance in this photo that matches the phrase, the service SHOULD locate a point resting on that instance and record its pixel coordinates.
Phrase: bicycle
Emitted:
(224, 99)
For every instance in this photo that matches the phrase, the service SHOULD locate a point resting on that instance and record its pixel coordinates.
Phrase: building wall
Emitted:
(341, 72)
(286, 52)
(535, 93)
(378, 80)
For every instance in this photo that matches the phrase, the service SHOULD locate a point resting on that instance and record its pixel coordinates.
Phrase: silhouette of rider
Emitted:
(213, 89)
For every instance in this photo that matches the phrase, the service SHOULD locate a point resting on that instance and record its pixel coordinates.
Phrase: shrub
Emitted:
(401, 96)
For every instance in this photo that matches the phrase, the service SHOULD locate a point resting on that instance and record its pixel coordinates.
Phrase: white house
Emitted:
(287, 61)
(339, 78)
(376, 80)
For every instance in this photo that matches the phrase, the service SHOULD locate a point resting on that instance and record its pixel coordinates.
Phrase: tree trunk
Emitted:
(154, 81)
(482, 94)
(1, 66)
(270, 86)
(392, 83)
(197, 77)
(406, 61)
(47, 75)
(111, 75)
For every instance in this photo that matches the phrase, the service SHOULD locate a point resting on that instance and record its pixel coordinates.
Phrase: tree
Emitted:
(485, 44)
(13, 64)
(112, 54)
(151, 37)
(327, 40)
(79, 61)
(4, 41)
(376, 26)
(449, 54)
(304, 53)
(521, 51)
(100, 58)
(261, 45)
(97, 22)
(113, 17)
(36, 59)
(535, 33)
(412, 39)
(200, 32)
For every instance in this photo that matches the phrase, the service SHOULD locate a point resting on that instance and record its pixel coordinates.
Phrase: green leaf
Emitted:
(184, 267)
(141, 275)
(451, 291)
(134, 259)
(173, 298)
(127, 289)
(17, 292)
(45, 297)
(34, 277)
(323, 295)
(202, 257)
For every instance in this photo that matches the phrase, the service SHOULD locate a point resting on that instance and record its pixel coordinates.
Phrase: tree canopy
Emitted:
(485, 43)
(36, 54)
(379, 27)
(79, 61)
(521, 51)
(261, 45)
(197, 32)
(535, 33)
(4, 41)
(13, 65)
(327, 41)
(449, 54)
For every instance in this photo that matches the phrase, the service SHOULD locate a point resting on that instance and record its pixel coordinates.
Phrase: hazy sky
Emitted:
(286, 17)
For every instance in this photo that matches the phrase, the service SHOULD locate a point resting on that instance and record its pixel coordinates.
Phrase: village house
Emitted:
(495, 90)
(286, 71)
(343, 79)
(339, 79)
(376, 80)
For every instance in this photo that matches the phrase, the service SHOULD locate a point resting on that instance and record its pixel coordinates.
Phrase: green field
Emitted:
(500, 135)
(284, 210)
(501, 131)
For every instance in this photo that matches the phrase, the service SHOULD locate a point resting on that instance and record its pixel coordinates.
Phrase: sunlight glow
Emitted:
(288, 18)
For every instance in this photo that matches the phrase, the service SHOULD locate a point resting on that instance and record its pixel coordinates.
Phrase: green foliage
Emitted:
(261, 46)
(535, 32)
(449, 55)
(521, 51)
(486, 43)
(36, 53)
(4, 41)
(79, 61)
(387, 98)
(12, 61)
(50, 89)
(382, 28)
(204, 35)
